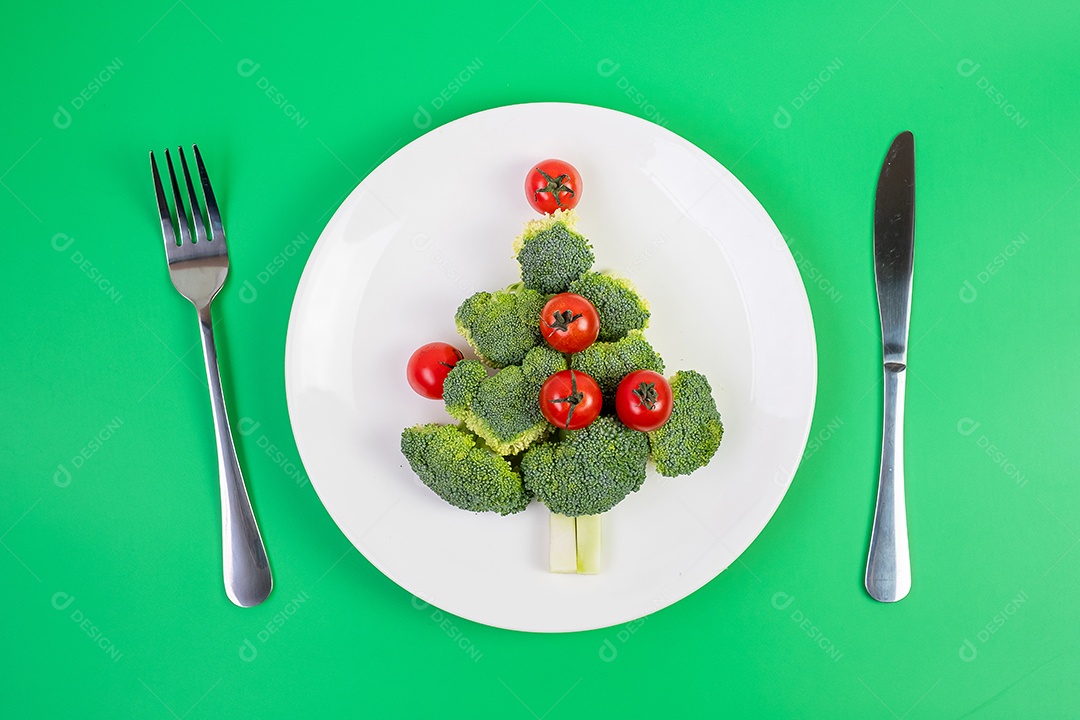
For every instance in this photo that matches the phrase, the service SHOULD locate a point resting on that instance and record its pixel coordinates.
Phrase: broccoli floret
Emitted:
(460, 386)
(540, 363)
(505, 412)
(462, 471)
(617, 301)
(690, 437)
(503, 409)
(590, 471)
(552, 254)
(609, 362)
(501, 326)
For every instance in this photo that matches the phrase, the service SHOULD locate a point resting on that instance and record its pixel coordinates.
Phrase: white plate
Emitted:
(432, 225)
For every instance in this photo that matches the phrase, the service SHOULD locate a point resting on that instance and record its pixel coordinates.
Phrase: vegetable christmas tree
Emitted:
(566, 402)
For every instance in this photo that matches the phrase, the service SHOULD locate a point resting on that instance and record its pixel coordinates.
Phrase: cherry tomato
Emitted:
(570, 399)
(569, 323)
(643, 400)
(553, 185)
(429, 366)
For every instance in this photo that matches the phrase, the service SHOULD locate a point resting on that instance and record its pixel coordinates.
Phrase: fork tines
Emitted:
(175, 249)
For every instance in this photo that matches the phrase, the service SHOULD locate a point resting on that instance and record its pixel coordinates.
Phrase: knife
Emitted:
(888, 566)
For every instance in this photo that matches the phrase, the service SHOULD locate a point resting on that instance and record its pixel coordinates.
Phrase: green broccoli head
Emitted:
(504, 408)
(609, 362)
(552, 254)
(617, 301)
(590, 471)
(506, 413)
(501, 326)
(460, 386)
(540, 363)
(690, 437)
(462, 471)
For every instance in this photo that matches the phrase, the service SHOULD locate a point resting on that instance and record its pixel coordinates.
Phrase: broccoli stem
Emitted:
(588, 544)
(562, 549)
(574, 545)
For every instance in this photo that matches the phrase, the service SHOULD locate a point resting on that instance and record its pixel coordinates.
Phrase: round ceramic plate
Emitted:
(432, 225)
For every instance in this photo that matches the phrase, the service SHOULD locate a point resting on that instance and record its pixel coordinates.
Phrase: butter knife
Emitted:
(888, 566)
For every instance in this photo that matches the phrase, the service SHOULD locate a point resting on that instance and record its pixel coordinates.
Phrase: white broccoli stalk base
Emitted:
(574, 545)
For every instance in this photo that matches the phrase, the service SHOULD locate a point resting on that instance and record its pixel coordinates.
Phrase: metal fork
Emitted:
(198, 269)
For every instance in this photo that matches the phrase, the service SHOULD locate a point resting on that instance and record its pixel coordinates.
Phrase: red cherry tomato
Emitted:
(569, 323)
(570, 399)
(553, 185)
(643, 400)
(429, 366)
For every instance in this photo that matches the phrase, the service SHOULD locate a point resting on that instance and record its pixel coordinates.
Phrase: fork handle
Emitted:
(247, 572)
(888, 566)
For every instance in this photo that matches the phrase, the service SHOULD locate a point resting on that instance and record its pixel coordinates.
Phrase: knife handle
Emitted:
(888, 567)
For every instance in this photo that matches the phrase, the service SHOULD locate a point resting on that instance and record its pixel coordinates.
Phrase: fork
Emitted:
(198, 269)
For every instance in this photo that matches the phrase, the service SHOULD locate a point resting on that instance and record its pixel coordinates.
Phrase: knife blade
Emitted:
(888, 564)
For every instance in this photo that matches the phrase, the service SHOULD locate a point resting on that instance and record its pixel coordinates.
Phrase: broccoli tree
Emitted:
(505, 452)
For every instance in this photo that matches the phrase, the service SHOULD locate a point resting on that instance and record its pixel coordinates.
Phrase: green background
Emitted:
(101, 358)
